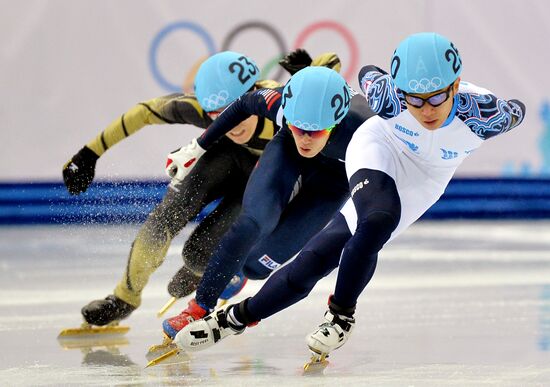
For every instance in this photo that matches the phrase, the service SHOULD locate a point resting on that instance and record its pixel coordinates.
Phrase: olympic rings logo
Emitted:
(214, 101)
(306, 125)
(280, 42)
(425, 85)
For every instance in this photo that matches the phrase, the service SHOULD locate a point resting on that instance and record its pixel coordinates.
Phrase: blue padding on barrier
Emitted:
(104, 202)
(115, 202)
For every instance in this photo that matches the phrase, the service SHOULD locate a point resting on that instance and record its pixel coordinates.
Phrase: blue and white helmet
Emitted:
(315, 98)
(223, 78)
(424, 63)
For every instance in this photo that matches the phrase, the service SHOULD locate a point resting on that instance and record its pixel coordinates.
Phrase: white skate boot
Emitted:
(206, 332)
(330, 335)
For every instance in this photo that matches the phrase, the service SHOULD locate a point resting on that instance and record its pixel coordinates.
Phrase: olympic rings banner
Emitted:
(270, 69)
(70, 67)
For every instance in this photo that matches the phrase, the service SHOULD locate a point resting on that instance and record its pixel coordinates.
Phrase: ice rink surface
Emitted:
(451, 304)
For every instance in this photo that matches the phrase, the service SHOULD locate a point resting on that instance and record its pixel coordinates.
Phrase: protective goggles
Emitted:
(311, 133)
(214, 114)
(434, 100)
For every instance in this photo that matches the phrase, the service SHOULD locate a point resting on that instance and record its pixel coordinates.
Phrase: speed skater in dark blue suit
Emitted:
(300, 178)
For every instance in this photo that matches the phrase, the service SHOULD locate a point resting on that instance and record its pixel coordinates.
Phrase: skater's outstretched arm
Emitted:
(79, 171)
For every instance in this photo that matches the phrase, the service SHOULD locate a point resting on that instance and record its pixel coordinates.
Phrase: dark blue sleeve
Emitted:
(262, 103)
(382, 95)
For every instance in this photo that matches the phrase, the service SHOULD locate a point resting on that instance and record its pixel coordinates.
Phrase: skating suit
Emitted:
(397, 170)
(221, 173)
(422, 161)
(289, 198)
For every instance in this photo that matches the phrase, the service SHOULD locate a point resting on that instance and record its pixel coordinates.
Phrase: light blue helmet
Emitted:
(424, 63)
(223, 78)
(315, 98)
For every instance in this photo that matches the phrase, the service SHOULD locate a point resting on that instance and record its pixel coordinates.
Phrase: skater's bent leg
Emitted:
(294, 281)
(182, 202)
(228, 172)
(378, 210)
(201, 244)
(149, 248)
(227, 260)
(204, 239)
(306, 215)
(266, 195)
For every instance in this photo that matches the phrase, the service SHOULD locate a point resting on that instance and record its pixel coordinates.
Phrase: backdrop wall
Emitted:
(70, 67)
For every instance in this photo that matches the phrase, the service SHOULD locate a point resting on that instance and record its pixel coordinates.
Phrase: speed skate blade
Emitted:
(163, 358)
(94, 331)
(89, 336)
(158, 350)
(166, 306)
(167, 353)
(316, 364)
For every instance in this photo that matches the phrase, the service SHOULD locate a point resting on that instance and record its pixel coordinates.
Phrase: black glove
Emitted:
(79, 171)
(295, 61)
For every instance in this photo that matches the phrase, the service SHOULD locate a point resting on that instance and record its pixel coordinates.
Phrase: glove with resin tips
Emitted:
(181, 161)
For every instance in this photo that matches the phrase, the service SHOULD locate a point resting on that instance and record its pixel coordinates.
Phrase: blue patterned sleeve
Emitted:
(382, 95)
(488, 116)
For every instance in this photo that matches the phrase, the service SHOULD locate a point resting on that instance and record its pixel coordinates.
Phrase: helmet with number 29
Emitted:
(424, 63)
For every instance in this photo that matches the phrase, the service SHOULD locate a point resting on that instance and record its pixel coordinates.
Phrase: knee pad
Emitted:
(374, 231)
(248, 225)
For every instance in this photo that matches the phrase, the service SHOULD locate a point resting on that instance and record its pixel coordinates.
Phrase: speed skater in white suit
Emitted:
(398, 165)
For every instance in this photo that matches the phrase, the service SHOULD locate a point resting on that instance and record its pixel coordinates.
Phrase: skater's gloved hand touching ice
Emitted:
(181, 161)
(79, 171)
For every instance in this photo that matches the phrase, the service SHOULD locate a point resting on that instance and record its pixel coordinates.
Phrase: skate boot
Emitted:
(175, 324)
(204, 333)
(103, 312)
(233, 288)
(331, 334)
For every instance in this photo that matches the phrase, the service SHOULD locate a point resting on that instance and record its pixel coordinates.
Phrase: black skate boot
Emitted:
(183, 283)
(103, 312)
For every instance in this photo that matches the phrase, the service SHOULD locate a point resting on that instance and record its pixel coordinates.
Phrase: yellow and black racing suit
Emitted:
(221, 173)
